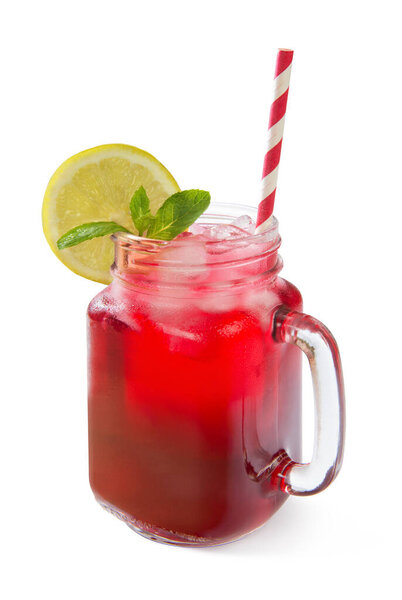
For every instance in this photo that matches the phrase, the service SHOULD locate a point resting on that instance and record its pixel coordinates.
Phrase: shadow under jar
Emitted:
(195, 387)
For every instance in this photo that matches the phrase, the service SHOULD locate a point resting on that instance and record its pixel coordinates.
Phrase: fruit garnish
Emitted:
(96, 186)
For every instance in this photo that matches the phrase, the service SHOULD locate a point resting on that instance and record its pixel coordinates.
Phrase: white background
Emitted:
(190, 82)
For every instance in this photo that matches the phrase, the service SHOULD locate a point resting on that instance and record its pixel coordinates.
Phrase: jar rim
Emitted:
(196, 264)
(269, 235)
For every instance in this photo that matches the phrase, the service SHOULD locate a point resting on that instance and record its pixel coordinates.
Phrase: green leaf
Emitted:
(139, 208)
(87, 231)
(177, 213)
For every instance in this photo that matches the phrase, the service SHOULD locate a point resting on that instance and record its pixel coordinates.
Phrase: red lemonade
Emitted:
(194, 408)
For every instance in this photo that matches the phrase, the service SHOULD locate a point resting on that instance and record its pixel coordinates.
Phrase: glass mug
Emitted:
(195, 387)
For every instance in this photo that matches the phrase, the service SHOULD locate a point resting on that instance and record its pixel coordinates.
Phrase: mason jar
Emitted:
(195, 386)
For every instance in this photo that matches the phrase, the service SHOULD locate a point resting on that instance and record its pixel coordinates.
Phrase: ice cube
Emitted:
(184, 262)
(237, 229)
(186, 255)
(244, 222)
(216, 303)
(226, 232)
(197, 229)
(221, 232)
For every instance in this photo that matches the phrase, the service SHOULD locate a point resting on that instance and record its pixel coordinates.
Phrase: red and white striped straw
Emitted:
(275, 135)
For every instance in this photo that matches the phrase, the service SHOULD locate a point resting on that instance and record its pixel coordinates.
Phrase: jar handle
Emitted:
(321, 349)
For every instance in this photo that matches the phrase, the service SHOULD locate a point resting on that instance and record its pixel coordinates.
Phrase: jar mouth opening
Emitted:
(217, 213)
(198, 262)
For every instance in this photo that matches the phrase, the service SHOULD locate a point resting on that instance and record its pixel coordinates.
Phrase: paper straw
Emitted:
(275, 135)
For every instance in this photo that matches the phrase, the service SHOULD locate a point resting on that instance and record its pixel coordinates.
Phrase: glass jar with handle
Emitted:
(195, 386)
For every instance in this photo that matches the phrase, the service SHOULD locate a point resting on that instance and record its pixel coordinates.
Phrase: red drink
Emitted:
(194, 408)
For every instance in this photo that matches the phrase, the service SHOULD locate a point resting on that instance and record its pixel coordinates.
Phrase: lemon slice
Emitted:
(97, 185)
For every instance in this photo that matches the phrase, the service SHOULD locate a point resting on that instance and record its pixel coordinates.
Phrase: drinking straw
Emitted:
(275, 135)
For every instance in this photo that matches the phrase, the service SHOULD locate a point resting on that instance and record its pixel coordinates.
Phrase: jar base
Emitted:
(164, 536)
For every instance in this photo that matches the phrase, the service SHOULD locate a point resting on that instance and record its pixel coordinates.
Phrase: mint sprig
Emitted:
(175, 215)
(87, 231)
(140, 212)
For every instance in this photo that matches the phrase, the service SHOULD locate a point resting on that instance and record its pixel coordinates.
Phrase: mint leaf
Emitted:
(139, 208)
(174, 216)
(177, 213)
(87, 231)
